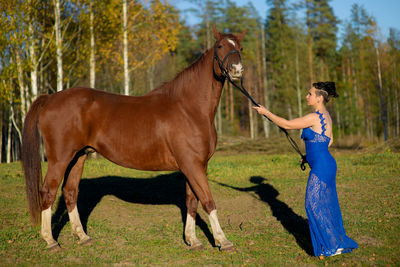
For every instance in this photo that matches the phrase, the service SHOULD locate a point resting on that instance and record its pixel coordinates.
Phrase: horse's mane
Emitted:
(183, 79)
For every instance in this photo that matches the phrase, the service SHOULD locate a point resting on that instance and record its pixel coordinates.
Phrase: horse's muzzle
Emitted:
(236, 71)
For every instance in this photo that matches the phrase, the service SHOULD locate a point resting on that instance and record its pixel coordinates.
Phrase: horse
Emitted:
(171, 128)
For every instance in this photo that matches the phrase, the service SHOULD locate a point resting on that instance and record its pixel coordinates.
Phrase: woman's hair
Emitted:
(326, 89)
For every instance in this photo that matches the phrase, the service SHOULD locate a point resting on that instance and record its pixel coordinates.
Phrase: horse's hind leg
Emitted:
(70, 192)
(52, 181)
(190, 228)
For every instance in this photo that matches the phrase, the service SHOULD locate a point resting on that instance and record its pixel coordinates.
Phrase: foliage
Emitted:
(301, 42)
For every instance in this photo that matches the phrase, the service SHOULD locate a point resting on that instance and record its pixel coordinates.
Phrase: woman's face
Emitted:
(312, 98)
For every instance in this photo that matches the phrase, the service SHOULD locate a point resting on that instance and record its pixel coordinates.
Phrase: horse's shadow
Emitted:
(293, 223)
(164, 189)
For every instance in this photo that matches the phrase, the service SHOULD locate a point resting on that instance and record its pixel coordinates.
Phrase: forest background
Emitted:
(131, 47)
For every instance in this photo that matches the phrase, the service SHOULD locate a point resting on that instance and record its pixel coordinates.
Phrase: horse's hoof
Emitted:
(228, 248)
(85, 241)
(197, 246)
(55, 247)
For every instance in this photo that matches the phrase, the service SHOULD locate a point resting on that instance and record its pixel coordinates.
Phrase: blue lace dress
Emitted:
(322, 205)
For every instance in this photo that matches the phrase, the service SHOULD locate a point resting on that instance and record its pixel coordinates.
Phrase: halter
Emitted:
(221, 63)
(225, 75)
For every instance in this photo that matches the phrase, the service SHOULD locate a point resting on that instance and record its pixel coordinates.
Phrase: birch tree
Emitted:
(32, 50)
(92, 46)
(266, 124)
(59, 45)
(125, 45)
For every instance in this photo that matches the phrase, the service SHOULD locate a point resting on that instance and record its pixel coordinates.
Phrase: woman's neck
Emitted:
(320, 108)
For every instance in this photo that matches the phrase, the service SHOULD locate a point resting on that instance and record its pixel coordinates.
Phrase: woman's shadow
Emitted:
(293, 223)
(164, 189)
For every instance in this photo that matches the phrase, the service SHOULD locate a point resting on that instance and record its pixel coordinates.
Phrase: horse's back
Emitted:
(130, 131)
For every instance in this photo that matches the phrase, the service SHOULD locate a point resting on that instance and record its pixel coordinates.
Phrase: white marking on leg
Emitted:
(76, 225)
(219, 236)
(45, 231)
(190, 232)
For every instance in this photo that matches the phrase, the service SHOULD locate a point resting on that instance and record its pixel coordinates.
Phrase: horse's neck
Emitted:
(207, 89)
(196, 86)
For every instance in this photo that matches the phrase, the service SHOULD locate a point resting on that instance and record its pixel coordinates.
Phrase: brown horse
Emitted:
(170, 128)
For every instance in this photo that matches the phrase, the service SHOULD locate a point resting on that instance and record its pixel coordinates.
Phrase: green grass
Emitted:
(135, 217)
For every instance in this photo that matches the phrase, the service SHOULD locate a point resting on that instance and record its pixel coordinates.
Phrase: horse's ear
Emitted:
(217, 34)
(241, 35)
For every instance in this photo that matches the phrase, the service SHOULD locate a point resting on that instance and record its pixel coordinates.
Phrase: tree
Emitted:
(59, 44)
(394, 56)
(280, 44)
(92, 46)
(322, 25)
(357, 57)
(125, 48)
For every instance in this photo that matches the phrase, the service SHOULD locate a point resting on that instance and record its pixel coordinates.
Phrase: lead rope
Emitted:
(290, 139)
(225, 73)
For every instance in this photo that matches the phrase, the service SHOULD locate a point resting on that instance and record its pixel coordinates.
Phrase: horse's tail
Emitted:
(31, 158)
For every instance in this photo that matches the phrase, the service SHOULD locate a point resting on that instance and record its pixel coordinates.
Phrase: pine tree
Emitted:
(280, 43)
(322, 25)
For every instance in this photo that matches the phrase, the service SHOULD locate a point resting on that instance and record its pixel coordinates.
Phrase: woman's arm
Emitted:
(298, 123)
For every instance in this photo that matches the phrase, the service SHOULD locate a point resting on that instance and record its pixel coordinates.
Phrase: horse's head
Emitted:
(227, 57)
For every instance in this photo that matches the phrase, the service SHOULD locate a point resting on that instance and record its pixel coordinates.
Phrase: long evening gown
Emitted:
(322, 205)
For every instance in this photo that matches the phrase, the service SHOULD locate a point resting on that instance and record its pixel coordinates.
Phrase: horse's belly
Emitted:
(140, 157)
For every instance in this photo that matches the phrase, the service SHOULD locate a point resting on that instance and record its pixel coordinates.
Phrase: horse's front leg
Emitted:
(196, 175)
(190, 228)
(219, 236)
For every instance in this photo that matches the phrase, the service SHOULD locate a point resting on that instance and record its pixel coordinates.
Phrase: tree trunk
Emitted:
(251, 120)
(299, 106)
(92, 47)
(14, 123)
(383, 109)
(266, 123)
(150, 75)
(338, 120)
(290, 113)
(232, 105)
(57, 27)
(125, 43)
(8, 148)
(32, 54)
(396, 97)
(1, 132)
(21, 83)
(310, 55)
(219, 118)
(396, 100)
(226, 97)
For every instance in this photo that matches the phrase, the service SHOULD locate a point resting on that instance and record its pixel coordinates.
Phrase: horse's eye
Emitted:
(220, 46)
(241, 49)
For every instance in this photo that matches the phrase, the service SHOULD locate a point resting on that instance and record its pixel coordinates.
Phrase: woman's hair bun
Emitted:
(328, 87)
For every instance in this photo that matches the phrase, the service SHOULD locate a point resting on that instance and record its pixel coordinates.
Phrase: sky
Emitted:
(386, 12)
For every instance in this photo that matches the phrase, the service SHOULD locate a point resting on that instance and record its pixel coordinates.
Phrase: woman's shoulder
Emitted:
(312, 116)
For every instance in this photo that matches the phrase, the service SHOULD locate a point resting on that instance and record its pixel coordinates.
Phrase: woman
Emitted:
(322, 206)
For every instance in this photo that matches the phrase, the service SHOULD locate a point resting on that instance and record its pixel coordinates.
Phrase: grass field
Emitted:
(136, 218)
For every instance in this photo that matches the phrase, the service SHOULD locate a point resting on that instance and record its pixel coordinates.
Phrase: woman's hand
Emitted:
(261, 110)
